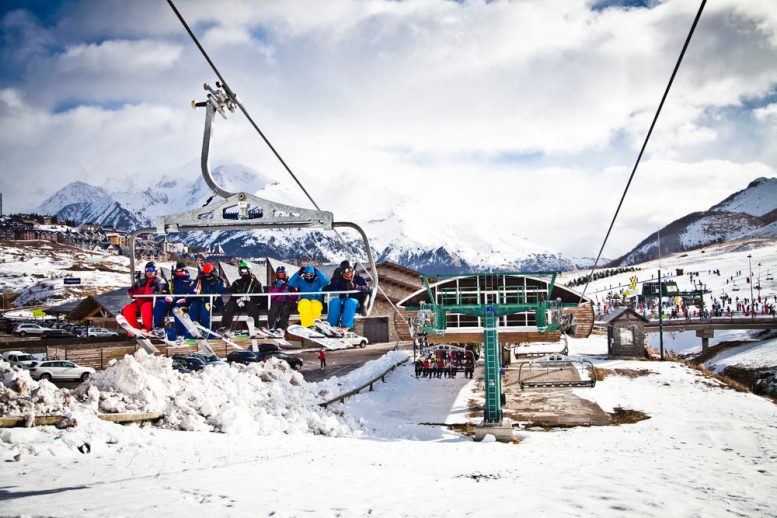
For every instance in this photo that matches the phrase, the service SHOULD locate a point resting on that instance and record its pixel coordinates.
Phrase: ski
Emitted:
(327, 330)
(139, 335)
(213, 333)
(317, 337)
(202, 343)
(276, 336)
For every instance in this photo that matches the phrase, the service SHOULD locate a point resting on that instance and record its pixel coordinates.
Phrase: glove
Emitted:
(180, 301)
(169, 299)
(240, 303)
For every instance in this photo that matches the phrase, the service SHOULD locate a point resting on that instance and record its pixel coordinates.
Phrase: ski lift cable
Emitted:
(234, 99)
(644, 145)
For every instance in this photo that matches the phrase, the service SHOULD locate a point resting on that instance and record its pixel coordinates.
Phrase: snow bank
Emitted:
(260, 398)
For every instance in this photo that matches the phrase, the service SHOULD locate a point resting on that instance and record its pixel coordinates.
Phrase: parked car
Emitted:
(191, 363)
(29, 329)
(19, 358)
(58, 333)
(244, 357)
(101, 332)
(354, 339)
(293, 361)
(265, 348)
(60, 369)
(180, 367)
(209, 359)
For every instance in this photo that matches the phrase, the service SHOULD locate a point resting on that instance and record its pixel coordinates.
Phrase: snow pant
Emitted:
(199, 311)
(323, 362)
(278, 315)
(309, 310)
(231, 308)
(163, 308)
(344, 309)
(146, 310)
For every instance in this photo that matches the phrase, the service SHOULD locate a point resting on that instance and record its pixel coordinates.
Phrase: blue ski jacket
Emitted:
(316, 284)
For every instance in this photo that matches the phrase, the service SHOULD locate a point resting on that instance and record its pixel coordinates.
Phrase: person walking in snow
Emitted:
(149, 284)
(241, 299)
(309, 280)
(322, 357)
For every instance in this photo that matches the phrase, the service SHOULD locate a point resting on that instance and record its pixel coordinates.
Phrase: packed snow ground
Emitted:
(706, 450)
(36, 269)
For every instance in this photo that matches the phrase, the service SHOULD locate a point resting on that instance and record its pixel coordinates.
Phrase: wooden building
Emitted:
(625, 333)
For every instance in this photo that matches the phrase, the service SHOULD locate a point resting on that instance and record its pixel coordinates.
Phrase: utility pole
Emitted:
(660, 301)
(750, 275)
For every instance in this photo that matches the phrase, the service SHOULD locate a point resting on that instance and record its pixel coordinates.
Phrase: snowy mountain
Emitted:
(751, 212)
(432, 246)
(72, 193)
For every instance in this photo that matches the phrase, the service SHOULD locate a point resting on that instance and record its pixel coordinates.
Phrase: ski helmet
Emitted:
(280, 272)
(243, 268)
(207, 268)
(308, 272)
(345, 265)
(150, 266)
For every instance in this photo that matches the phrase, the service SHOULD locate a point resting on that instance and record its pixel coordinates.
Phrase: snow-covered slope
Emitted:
(759, 198)
(75, 192)
(750, 212)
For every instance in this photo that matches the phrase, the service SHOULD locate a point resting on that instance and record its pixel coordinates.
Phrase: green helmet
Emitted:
(244, 264)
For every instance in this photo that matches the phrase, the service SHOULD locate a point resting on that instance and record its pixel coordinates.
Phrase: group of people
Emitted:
(303, 291)
(440, 363)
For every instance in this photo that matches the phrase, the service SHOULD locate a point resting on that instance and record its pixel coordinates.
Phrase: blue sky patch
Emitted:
(601, 5)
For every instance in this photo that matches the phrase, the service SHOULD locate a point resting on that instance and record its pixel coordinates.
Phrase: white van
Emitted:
(19, 358)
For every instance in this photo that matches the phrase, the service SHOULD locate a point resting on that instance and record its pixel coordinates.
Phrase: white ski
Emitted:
(275, 336)
(216, 335)
(202, 344)
(317, 337)
(327, 329)
(139, 335)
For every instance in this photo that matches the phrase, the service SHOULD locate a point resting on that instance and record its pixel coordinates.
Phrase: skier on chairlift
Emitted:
(343, 308)
(180, 285)
(208, 283)
(241, 299)
(149, 284)
(309, 307)
(281, 302)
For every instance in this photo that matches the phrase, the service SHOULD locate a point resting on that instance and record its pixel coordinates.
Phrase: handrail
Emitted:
(352, 392)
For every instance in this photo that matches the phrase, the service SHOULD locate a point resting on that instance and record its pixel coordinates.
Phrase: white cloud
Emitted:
(120, 56)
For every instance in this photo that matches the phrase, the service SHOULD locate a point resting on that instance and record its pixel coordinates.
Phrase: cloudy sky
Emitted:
(524, 115)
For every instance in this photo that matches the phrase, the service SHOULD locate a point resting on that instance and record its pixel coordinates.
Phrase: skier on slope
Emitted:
(246, 284)
(309, 307)
(149, 284)
(208, 283)
(343, 308)
(178, 286)
(281, 303)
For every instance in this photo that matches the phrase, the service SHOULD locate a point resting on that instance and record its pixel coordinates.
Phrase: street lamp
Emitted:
(750, 266)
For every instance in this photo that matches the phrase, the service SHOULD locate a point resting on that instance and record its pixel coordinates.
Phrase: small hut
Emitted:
(625, 334)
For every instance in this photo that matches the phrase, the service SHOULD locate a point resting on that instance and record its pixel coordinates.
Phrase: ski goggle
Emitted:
(308, 276)
(244, 271)
(180, 272)
(348, 273)
(151, 269)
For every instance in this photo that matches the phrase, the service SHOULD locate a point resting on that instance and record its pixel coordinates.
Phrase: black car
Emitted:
(191, 363)
(209, 359)
(180, 367)
(266, 349)
(57, 333)
(244, 357)
(294, 362)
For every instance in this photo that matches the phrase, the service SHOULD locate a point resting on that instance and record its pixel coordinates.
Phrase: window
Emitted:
(626, 336)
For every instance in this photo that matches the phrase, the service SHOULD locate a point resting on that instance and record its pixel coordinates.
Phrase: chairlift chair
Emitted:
(244, 211)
